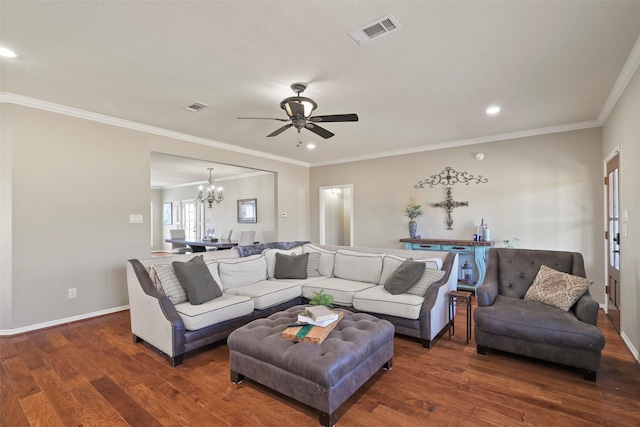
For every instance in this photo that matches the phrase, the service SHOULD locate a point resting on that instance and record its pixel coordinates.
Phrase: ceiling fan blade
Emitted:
(335, 118)
(279, 131)
(264, 118)
(319, 131)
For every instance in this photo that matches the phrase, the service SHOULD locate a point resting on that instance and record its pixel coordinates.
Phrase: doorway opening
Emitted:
(336, 215)
(612, 237)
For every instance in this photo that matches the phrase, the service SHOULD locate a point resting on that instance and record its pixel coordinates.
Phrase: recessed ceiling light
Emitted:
(7, 53)
(311, 146)
(493, 110)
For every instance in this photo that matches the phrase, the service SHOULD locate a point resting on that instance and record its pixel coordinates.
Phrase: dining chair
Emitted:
(226, 234)
(246, 237)
(179, 248)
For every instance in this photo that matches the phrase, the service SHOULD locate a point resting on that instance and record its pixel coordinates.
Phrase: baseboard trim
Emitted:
(627, 341)
(58, 322)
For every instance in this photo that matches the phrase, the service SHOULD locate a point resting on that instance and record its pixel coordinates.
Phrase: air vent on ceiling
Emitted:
(196, 106)
(378, 28)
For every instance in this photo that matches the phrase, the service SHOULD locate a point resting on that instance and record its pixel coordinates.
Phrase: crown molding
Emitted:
(472, 141)
(629, 68)
(12, 98)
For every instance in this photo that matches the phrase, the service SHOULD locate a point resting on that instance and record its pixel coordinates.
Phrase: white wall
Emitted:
(68, 188)
(545, 190)
(261, 188)
(622, 129)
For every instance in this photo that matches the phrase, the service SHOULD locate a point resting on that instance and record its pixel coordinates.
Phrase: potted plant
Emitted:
(320, 298)
(413, 210)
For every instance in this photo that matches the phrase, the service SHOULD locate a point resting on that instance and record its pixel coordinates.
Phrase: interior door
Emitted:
(613, 241)
(190, 219)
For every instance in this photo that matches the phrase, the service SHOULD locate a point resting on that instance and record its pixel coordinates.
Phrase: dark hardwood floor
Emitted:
(90, 373)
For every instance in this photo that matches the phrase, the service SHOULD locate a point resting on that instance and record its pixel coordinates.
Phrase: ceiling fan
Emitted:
(299, 110)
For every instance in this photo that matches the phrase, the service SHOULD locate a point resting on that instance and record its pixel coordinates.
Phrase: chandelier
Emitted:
(213, 194)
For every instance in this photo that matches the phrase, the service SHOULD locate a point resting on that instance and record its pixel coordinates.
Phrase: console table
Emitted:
(476, 248)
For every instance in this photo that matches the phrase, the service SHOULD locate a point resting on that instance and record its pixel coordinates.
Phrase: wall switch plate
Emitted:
(71, 292)
(625, 230)
(625, 215)
(284, 215)
(135, 219)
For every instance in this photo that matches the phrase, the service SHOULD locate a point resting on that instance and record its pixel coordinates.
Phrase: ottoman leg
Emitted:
(328, 420)
(387, 366)
(236, 377)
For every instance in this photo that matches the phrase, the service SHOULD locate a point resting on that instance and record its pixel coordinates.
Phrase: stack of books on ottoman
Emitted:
(318, 315)
(313, 325)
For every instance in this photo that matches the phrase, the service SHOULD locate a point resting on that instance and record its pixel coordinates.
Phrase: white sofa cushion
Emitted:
(270, 257)
(217, 310)
(389, 264)
(327, 259)
(268, 293)
(213, 269)
(242, 271)
(358, 266)
(342, 290)
(378, 300)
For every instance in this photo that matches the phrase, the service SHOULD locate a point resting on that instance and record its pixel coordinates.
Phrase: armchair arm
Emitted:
(153, 316)
(487, 292)
(586, 309)
(433, 312)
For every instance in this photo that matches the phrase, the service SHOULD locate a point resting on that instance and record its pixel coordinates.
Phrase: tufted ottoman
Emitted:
(323, 375)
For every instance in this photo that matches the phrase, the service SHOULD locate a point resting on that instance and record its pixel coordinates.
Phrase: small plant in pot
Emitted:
(413, 210)
(320, 298)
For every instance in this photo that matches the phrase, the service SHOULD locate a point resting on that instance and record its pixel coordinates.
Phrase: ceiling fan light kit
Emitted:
(299, 110)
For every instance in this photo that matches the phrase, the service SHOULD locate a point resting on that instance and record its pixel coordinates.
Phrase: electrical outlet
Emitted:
(135, 219)
(72, 293)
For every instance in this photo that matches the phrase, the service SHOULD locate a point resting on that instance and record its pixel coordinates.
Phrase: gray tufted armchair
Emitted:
(505, 321)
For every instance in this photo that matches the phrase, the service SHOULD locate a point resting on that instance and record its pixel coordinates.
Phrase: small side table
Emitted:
(458, 297)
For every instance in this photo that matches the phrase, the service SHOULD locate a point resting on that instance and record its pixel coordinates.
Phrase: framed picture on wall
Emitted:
(247, 211)
(167, 213)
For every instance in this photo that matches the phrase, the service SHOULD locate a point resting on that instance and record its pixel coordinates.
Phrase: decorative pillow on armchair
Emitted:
(557, 289)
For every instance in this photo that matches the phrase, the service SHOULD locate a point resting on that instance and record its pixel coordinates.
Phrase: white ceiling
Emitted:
(549, 64)
(169, 171)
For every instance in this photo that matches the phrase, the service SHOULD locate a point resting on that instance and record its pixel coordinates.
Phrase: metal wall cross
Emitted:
(449, 204)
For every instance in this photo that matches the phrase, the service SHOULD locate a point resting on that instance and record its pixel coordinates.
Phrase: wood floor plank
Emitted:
(95, 408)
(107, 380)
(11, 412)
(59, 396)
(39, 411)
(19, 375)
(124, 404)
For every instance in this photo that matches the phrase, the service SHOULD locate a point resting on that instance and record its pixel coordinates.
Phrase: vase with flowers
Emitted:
(413, 210)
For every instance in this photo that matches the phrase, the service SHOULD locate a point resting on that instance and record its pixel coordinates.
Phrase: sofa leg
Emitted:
(426, 343)
(136, 339)
(589, 375)
(328, 420)
(176, 360)
(236, 377)
(387, 366)
(482, 349)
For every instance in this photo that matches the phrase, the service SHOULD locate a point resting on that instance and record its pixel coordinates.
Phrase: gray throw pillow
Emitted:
(291, 266)
(405, 276)
(197, 280)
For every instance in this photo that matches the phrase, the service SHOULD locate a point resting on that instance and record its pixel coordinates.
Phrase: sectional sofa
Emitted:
(163, 316)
